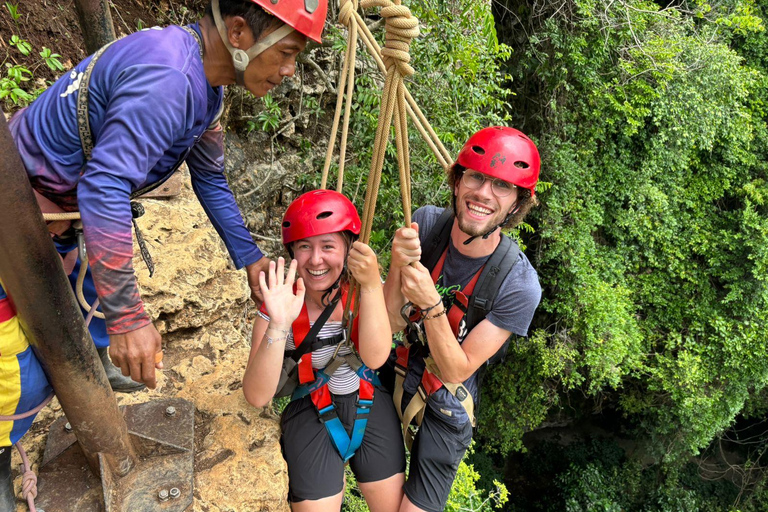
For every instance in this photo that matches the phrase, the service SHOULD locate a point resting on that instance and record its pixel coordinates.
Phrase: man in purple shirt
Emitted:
(154, 100)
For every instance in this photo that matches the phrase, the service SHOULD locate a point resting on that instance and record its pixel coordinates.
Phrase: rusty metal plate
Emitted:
(164, 441)
(170, 188)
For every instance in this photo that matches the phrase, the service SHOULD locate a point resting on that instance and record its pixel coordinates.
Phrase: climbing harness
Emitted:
(315, 382)
(289, 379)
(469, 308)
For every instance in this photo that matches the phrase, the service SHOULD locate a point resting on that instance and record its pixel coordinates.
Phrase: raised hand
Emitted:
(282, 303)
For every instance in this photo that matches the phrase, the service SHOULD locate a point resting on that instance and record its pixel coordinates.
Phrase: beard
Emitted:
(474, 227)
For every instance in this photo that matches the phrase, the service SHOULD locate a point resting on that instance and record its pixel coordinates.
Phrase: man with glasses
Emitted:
(461, 289)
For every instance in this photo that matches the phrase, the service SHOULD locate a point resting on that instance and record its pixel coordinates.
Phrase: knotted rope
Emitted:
(401, 27)
(350, 17)
(28, 477)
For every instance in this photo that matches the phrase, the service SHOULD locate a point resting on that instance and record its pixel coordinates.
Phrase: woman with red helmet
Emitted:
(300, 333)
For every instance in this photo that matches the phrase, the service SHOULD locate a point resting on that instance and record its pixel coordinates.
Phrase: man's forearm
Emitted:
(394, 299)
(446, 350)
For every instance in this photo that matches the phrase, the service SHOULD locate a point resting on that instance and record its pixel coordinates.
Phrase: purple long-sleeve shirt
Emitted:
(149, 104)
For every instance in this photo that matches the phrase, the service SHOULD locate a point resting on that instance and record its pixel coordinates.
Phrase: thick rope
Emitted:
(28, 477)
(347, 81)
(400, 29)
(399, 33)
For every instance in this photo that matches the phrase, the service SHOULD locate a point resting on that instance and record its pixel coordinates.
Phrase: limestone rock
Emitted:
(202, 309)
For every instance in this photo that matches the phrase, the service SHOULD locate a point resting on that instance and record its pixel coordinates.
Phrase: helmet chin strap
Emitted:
(241, 58)
(494, 228)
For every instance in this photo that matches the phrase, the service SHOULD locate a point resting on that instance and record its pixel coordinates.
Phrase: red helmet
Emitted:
(305, 16)
(317, 213)
(503, 153)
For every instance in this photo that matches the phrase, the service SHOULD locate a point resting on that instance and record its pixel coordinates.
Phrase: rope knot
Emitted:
(401, 27)
(29, 484)
(347, 11)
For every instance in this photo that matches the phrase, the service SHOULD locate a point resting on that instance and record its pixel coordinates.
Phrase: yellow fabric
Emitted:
(12, 342)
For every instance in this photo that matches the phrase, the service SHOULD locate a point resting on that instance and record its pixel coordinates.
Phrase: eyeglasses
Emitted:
(475, 180)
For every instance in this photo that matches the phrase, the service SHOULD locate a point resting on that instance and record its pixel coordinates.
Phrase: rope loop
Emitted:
(347, 11)
(401, 28)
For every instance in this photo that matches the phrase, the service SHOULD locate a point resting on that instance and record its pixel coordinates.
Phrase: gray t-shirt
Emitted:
(513, 309)
(518, 296)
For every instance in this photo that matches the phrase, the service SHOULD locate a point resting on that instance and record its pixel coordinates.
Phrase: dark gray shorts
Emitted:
(435, 456)
(315, 468)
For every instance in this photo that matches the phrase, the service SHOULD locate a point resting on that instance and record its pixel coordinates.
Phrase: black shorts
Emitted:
(315, 468)
(435, 456)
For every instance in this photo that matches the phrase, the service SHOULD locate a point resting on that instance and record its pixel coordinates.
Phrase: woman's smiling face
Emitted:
(320, 260)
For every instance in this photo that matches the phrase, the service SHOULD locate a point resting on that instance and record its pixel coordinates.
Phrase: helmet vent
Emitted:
(323, 215)
(478, 150)
(286, 224)
(521, 165)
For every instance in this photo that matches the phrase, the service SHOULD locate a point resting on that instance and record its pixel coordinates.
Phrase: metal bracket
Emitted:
(162, 433)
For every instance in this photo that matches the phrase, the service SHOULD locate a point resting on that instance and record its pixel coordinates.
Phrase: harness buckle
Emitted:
(364, 404)
(414, 330)
(327, 414)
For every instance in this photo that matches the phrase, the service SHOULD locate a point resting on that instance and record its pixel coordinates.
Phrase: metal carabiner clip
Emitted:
(414, 330)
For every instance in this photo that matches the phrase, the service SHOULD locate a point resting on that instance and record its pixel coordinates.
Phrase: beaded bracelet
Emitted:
(444, 311)
(271, 340)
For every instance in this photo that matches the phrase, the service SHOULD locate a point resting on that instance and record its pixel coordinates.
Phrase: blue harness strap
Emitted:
(345, 445)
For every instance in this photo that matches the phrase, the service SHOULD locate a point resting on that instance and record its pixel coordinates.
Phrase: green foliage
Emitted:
(51, 59)
(23, 46)
(15, 90)
(11, 91)
(353, 498)
(512, 406)
(651, 245)
(13, 10)
(269, 118)
(466, 496)
(586, 474)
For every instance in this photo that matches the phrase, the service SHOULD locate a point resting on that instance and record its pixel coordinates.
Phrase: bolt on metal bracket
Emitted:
(165, 448)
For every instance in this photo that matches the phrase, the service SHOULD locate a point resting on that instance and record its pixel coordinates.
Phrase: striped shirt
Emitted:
(344, 380)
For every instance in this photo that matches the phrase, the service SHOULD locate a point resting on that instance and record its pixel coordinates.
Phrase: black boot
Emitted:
(7, 498)
(119, 382)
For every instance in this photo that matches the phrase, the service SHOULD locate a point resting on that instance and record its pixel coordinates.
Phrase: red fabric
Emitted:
(7, 311)
(321, 397)
(402, 356)
(366, 390)
(300, 329)
(429, 381)
(455, 314)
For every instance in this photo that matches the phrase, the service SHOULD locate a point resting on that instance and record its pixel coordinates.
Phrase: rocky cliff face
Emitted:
(204, 315)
